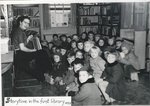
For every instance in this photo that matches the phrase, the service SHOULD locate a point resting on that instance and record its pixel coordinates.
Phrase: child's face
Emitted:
(83, 76)
(75, 37)
(111, 58)
(54, 49)
(56, 58)
(63, 51)
(73, 45)
(63, 39)
(118, 43)
(50, 45)
(80, 46)
(79, 55)
(83, 36)
(68, 40)
(125, 50)
(71, 59)
(55, 38)
(111, 41)
(58, 50)
(87, 47)
(94, 53)
(91, 36)
(77, 67)
(101, 42)
(97, 38)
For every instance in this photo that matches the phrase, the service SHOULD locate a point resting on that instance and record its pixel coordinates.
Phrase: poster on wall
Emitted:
(60, 18)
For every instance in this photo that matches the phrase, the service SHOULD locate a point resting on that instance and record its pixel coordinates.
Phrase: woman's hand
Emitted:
(29, 38)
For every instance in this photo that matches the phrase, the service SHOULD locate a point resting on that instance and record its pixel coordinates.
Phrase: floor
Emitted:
(138, 93)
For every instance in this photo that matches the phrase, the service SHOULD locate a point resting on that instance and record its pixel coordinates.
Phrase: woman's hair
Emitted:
(21, 19)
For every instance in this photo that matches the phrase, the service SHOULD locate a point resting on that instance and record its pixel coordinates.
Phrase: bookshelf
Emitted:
(103, 18)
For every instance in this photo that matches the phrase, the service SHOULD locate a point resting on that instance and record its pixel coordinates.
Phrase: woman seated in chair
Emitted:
(24, 54)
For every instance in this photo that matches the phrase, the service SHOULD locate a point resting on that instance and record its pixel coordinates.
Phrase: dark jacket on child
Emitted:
(69, 77)
(59, 69)
(89, 94)
(114, 74)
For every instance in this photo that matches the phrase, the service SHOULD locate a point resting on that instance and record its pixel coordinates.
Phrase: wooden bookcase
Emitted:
(103, 18)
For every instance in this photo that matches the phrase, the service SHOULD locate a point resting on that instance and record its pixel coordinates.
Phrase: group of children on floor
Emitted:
(91, 66)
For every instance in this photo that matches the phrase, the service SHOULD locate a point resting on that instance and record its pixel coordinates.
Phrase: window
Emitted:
(60, 15)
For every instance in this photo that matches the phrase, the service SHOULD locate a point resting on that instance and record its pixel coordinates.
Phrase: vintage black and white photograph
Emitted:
(97, 53)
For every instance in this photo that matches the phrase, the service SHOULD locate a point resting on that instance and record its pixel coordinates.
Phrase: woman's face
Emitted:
(25, 24)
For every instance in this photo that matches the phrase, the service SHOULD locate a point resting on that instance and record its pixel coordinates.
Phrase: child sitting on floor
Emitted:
(58, 70)
(114, 75)
(89, 93)
(98, 66)
(87, 46)
(77, 65)
(130, 61)
(69, 77)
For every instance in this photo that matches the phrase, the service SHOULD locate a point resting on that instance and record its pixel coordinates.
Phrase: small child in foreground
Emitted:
(89, 93)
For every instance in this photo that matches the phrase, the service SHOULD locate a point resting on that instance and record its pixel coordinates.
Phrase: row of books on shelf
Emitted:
(89, 21)
(101, 21)
(89, 11)
(109, 31)
(34, 11)
(87, 29)
(34, 23)
(107, 10)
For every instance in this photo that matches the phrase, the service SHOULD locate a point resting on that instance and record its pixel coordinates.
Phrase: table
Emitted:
(7, 73)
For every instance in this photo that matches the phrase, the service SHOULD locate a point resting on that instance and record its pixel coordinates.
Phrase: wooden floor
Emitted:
(138, 93)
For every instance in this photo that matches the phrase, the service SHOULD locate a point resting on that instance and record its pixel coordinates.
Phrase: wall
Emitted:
(47, 31)
(134, 16)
